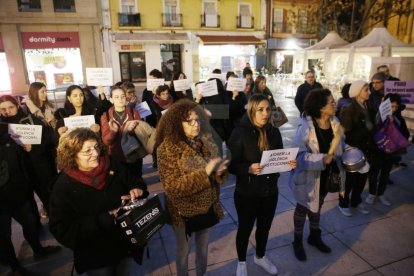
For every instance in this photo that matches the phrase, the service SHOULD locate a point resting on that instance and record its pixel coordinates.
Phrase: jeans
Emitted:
(183, 244)
(122, 268)
(250, 209)
(354, 183)
(27, 217)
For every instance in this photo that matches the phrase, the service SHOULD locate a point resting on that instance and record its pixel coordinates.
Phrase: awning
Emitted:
(230, 39)
(155, 37)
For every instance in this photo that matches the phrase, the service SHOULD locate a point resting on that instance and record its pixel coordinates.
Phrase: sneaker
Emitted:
(370, 199)
(384, 201)
(361, 208)
(47, 250)
(266, 264)
(241, 269)
(345, 211)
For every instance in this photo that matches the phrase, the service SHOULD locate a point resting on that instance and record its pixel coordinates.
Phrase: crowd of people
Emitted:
(82, 175)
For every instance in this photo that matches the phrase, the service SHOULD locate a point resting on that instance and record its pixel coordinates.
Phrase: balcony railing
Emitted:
(172, 19)
(210, 20)
(129, 19)
(245, 22)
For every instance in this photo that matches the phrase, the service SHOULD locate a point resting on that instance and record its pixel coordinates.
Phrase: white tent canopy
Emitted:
(331, 40)
(378, 37)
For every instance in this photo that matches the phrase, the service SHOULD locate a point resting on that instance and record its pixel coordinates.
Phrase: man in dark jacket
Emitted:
(377, 89)
(384, 68)
(304, 88)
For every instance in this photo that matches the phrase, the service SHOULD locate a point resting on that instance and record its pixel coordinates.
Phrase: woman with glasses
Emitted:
(75, 105)
(39, 105)
(320, 142)
(191, 171)
(120, 118)
(256, 195)
(84, 200)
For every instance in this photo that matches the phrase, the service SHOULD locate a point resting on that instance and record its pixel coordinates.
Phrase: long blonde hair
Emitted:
(252, 105)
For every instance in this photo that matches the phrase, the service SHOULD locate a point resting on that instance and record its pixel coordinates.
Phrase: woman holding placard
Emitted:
(320, 142)
(75, 105)
(180, 94)
(256, 195)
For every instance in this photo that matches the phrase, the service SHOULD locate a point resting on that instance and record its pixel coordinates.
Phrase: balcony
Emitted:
(245, 22)
(129, 19)
(210, 21)
(172, 19)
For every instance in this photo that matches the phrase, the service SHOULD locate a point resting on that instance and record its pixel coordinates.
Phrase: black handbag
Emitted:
(141, 220)
(200, 222)
(333, 178)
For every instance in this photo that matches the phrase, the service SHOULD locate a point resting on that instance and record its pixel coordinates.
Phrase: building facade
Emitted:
(51, 41)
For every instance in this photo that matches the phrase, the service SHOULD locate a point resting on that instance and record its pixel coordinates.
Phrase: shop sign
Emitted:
(1, 44)
(128, 47)
(42, 40)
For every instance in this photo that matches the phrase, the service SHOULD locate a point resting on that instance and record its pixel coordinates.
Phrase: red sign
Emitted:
(1, 44)
(42, 40)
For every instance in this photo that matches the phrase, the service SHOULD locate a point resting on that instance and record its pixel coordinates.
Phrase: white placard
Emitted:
(99, 77)
(143, 109)
(238, 84)
(217, 76)
(181, 85)
(26, 134)
(79, 121)
(208, 88)
(274, 161)
(153, 84)
(385, 109)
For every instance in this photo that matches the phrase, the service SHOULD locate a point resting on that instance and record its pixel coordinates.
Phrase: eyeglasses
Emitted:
(192, 122)
(90, 151)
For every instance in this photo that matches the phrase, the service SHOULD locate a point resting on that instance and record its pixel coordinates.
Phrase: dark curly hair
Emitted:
(170, 125)
(315, 101)
(71, 144)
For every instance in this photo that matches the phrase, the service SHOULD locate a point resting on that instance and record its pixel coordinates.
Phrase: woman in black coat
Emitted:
(84, 201)
(256, 195)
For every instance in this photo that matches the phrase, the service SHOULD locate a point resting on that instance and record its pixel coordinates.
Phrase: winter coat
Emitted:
(302, 92)
(79, 218)
(305, 179)
(47, 115)
(243, 144)
(189, 190)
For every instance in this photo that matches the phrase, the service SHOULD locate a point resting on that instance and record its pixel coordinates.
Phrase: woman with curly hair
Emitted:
(39, 105)
(191, 171)
(84, 202)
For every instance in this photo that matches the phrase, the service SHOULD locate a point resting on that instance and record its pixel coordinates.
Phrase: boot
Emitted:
(315, 240)
(298, 249)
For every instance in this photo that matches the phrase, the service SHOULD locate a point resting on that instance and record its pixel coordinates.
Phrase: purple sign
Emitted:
(403, 88)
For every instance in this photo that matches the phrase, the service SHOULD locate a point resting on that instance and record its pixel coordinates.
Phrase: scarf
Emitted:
(95, 178)
(196, 144)
(163, 104)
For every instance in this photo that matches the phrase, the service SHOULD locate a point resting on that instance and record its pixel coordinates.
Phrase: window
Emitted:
(209, 17)
(278, 20)
(128, 7)
(171, 15)
(128, 14)
(171, 59)
(29, 5)
(64, 5)
(133, 66)
(245, 18)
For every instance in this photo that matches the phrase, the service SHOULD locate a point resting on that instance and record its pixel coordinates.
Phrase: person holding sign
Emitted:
(237, 101)
(41, 163)
(39, 105)
(188, 93)
(75, 105)
(118, 121)
(191, 172)
(320, 142)
(256, 195)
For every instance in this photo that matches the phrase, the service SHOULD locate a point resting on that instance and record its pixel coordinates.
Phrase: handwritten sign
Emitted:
(274, 161)
(181, 85)
(143, 109)
(208, 88)
(26, 134)
(79, 121)
(99, 76)
(218, 76)
(385, 109)
(152, 84)
(236, 84)
(403, 88)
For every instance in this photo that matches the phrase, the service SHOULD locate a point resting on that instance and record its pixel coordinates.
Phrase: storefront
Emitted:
(5, 85)
(53, 58)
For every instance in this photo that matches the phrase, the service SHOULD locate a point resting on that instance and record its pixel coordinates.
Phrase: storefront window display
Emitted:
(53, 58)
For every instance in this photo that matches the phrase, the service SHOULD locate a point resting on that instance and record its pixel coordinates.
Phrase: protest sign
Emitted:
(403, 88)
(99, 76)
(274, 161)
(79, 121)
(236, 84)
(26, 134)
(385, 109)
(143, 109)
(181, 85)
(153, 84)
(208, 88)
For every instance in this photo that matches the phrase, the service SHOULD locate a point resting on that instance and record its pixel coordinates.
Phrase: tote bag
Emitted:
(389, 139)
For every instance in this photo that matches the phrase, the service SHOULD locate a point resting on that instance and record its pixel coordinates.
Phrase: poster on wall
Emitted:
(63, 79)
(40, 76)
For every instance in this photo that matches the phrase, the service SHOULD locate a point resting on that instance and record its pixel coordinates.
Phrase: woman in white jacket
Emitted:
(39, 105)
(320, 141)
